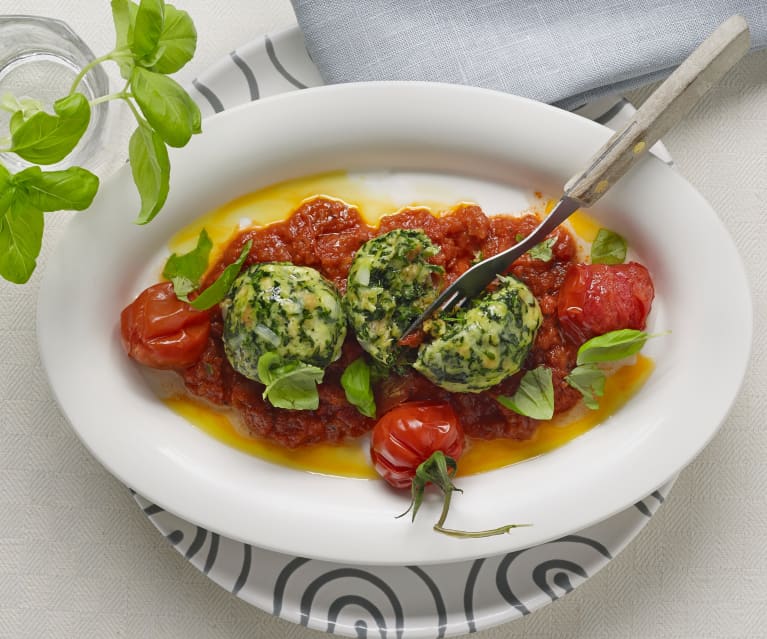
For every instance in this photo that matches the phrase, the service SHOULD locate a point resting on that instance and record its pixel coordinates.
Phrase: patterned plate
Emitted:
(405, 602)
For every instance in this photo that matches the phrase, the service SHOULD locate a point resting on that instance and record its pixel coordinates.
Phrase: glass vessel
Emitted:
(40, 58)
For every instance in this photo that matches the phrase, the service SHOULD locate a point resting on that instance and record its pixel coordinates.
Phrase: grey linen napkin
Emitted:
(564, 52)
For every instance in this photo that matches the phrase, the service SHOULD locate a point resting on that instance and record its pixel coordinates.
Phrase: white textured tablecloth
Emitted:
(79, 559)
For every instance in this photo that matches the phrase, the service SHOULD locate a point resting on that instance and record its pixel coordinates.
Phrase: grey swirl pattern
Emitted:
(403, 602)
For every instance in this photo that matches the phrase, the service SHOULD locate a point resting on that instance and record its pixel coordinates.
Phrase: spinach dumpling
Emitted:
(478, 347)
(390, 283)
(277, 307)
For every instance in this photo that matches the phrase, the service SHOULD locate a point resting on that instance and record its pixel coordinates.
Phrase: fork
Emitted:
(665, 107)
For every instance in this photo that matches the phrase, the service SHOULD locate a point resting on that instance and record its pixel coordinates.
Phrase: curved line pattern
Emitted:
(468, 593)
(562, 580)
(175, 537)
(539, 575)
(593, 543)
(642, 508)
(247, 552)
(282, 582)
(308, 597)
(212, 553)
(250, 77)
(351, 600)
(659, 496)
(502, 583)
(361, 628)
(278, 65)
(439, 602)
(153, 509)
(197, 542)
(211, 97)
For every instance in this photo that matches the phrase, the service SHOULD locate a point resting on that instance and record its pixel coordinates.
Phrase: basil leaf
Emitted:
(148, 27)
(270, 367)
(535, 395)
(218, 290)
(608, 248)
(17, 119)
(166, 106)
(121, 16)
(46, 138)
(611, 346)
(179, 39)
(124, 17)
(27, 106)
(185, 271)
(196, 115)
(356, 384)
(589, 380)
(21, 236)
(149, 60)
(150, 167)
(72, 189)
(5, 179)
(7, 191)
(542, 251)
(9, 102)
(292, 385)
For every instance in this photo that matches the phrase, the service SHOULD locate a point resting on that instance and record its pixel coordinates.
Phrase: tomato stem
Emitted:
(439, 469)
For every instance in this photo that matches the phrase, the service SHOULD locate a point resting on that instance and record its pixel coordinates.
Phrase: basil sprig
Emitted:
(608, 248)
(24, 197)
(46, 139)
(153, 39)
(612, 346)
(589, 380)
(534, 396)
(218, 290)
(185, 271)
(356, 382)
(543, 250)
(291, 385)
(587, 377)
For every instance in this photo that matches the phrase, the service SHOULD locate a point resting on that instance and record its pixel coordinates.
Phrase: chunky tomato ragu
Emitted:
(324, 233)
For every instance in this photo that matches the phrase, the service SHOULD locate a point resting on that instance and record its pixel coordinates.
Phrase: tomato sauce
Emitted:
(324, 233)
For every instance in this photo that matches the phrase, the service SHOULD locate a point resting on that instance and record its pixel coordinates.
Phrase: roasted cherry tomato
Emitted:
(161, 331)
(598, 298)
(409, 434)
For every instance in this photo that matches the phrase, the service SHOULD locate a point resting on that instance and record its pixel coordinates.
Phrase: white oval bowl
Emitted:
(103, 260)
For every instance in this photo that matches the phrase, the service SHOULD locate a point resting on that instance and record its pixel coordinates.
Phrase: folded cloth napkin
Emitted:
(565, 52)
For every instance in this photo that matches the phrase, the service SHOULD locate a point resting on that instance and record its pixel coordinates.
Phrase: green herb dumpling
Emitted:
(390, 283)
(277, 307)
(478, 347)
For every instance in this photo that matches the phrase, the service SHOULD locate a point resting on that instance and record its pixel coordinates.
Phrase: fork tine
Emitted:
(456, 299)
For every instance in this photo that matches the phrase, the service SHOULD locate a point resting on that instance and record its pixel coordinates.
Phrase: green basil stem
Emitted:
(133, 108)
(84, 71)
(112, 96)
(439, 469)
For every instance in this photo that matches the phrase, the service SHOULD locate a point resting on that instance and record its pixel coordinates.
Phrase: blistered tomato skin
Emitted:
(407, 435)
(599, 298)
(161, 331)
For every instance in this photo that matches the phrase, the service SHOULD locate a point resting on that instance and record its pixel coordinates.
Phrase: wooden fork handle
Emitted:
(667, 105)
